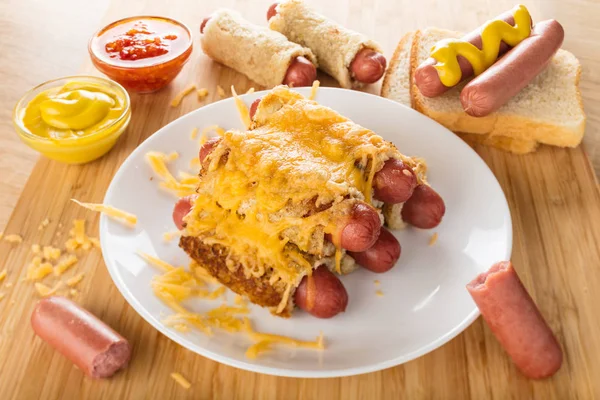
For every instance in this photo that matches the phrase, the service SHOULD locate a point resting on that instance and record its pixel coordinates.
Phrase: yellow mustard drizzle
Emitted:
(73, 110)
(492, 34)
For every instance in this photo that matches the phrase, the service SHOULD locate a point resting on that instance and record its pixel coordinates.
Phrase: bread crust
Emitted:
(259, 53)
(334, 45)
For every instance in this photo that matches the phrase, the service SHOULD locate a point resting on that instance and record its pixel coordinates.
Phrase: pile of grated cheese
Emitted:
(176, 284)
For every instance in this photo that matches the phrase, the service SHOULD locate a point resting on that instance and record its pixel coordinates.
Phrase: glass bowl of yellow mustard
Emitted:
(75, 120)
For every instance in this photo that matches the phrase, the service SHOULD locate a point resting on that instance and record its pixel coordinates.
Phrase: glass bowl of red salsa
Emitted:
(142, 53)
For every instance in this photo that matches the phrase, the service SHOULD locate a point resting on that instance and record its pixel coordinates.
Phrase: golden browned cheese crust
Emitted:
(214, 260)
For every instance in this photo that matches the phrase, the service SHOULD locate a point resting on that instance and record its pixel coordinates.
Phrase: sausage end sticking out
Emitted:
(181, 209)
(362, 228)
(382, 256)
(368, 66)
(254, 107)
(206, 149)
(510, 74)
(322, 294)
(395, 182)
(203, 24)
(271, 12)
(77, 334)
(424, 209)
(516, 321)
(301, 72)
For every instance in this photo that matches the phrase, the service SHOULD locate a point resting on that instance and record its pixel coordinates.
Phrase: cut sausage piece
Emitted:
(426, 76)
(362, 228)
(516, 322)
(253, 108)
(263, 55)
(395, 182)
(322, 294)
(77, 334)
(382, 256)
(348, 56)
(424, 209)
(271, 12)
(181, 209)
(203, 24)
(301, 72)
(207, 148)
(509, 75)
(368, 66)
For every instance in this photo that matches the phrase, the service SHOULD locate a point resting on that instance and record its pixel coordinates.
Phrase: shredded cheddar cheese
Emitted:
(157, 162)
(177, 284)
(156, 262)
(51, 253)
(201, 93)
(36, 249)
(181, 380)
(44, 224)
(112, 212)
(3, 274)
(75, 280)
(45, 291)
(379, 293)
(433, 239)
(377, 282)
(169, 236)
(313, 89)
(13, 238)
(179, 97)
(35, 273)
(194, 134)
(220, 91)
(73, 292)
(255, 204)
(65, 264)
(242, 109)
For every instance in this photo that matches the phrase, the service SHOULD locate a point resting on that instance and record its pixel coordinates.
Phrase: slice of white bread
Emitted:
(556, 117)
(397, 86)
(397, 80)
(549, 110)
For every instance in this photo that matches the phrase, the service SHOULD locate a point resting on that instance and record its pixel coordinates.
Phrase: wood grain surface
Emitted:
(553, 197)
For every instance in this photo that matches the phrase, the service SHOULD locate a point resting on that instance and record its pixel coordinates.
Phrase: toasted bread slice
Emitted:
(549, 110)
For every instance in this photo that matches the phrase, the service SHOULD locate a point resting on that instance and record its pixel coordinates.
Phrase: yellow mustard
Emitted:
(492, 34)
(74, 120)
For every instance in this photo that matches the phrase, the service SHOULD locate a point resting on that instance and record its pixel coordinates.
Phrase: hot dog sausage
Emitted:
(77, 334)
(394, 183)
(426, 76)
(333, 44)
(361, 229)
(424, 209)
(253, 108)
(382, 256)
(232, 41)
(516, 322)
(322, 294)
(368, 66)
(181, 209)
(203, 24)
(301, 72)
(207, 148)
(509, 75)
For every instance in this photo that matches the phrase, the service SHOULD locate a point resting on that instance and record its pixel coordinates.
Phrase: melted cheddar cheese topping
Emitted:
(270, 194)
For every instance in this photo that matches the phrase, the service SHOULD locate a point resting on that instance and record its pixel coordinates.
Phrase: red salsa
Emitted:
(141, 53)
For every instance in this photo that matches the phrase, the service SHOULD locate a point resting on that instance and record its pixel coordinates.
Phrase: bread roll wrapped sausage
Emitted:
(350, 57)
(264, 56)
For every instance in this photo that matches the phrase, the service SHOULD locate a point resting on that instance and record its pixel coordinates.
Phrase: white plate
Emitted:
(425, 303)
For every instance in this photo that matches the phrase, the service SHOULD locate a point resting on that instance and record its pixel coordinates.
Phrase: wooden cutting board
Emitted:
(553, 197)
